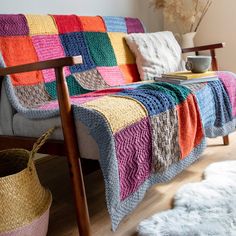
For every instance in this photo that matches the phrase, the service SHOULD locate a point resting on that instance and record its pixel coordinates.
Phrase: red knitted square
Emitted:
(19, 50)
(67, 24)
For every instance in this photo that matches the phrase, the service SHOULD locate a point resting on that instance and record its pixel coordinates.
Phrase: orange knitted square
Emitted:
(190, 127)
(19, 50)
(92, 23)
(130, 73)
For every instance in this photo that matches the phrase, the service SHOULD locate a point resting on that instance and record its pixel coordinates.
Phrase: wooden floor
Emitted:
(53, 174)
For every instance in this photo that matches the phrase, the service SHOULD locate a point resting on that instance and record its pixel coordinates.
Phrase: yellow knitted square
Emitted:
(41, 24)
(121, 49)
(120, 112)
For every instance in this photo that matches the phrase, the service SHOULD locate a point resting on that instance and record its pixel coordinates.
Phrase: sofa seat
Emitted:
(34, 128)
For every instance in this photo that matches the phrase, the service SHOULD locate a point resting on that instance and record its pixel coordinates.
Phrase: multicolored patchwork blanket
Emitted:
(146, 132)
(150, 133)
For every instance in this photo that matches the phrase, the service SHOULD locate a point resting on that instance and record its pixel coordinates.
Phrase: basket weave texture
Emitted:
(23, 198)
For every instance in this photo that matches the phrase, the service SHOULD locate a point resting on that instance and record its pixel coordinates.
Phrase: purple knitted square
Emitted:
(11, 25)
(134, 25)
(134, 156)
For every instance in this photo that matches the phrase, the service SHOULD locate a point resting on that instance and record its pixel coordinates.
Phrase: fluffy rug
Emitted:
(200, 209)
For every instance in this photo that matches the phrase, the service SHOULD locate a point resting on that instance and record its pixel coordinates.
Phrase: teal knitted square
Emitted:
(74, 87)
(100, 48)
(51, 89)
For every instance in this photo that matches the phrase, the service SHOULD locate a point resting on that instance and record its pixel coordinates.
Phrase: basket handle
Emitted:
(40, 142)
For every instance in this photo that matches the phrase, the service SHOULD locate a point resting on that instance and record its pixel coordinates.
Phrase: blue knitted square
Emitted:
(115, 24)
(206, 106)
(74, 44)
(154, 101)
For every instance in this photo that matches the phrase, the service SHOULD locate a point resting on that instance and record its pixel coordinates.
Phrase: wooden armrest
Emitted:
(203, 48)
(54, 63)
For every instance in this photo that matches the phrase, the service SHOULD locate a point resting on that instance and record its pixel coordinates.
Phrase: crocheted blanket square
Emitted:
(67, 24)
(190, 130)
(134, 161)
(92, 23)
(104, 54)
(12, 25)
(115, 24)
(134, 25)
(228, 79)
(75, 44)
(121, 50)
(41, 24)
(95, 80)
(20, 50)
(49, 47)
(130, 73)
(112, 75)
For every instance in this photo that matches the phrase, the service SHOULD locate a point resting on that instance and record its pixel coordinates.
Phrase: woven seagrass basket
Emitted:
(24, 202)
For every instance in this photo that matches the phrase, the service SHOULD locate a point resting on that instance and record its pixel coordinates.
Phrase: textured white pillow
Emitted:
(156, 53)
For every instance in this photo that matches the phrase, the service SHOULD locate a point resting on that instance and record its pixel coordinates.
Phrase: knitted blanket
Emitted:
(146, 132)
(150, 133)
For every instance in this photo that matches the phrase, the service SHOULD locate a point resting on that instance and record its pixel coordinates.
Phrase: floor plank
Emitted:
(53, 174)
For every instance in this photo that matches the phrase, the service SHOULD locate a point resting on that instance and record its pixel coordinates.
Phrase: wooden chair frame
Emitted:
(69, 146)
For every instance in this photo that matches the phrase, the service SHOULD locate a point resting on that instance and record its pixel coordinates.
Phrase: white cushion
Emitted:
(156, 53)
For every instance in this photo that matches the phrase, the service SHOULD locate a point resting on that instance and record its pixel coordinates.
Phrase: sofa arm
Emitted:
(69, 130)
(203, 48)
(4, 104)
(62, 92)
(210, 47)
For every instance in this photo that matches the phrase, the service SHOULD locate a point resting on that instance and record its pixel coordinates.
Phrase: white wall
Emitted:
(82, 7)
(219, 25)
(153, 19)
(132, 8)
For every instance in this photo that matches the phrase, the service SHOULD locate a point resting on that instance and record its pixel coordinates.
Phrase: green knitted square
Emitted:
(177, 92)
(51, 89)
(74, 88)
(100, 48)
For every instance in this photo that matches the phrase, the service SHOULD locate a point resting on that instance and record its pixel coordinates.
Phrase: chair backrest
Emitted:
(107, 60)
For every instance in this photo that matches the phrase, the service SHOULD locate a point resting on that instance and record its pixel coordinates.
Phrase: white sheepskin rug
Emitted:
(200, 209)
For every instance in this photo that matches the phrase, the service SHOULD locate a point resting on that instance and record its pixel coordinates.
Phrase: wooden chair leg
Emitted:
(226, 140)
(73, 158)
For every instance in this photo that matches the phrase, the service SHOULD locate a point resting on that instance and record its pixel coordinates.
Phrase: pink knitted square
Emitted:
(112, 75)
(134, 156)
(229, 82)
(49, 47)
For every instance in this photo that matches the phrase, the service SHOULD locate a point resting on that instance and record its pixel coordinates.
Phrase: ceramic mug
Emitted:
(198, 64)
